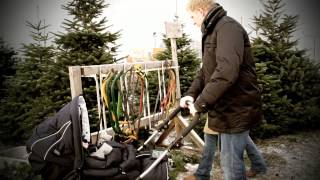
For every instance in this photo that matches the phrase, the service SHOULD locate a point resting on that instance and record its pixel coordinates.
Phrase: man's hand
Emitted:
(192, 109)
(185, 101)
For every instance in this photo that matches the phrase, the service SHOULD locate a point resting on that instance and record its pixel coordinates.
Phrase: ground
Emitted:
(288, 157)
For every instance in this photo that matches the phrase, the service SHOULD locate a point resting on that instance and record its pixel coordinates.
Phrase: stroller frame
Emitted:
(164, 125)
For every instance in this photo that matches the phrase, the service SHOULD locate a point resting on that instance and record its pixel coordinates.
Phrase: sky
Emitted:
(138, 20)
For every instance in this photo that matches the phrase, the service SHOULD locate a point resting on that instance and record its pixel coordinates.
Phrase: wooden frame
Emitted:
(76, 72)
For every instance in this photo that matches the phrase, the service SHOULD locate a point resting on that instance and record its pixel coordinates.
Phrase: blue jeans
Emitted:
(257, 162)
(206, 162)
(232, 149)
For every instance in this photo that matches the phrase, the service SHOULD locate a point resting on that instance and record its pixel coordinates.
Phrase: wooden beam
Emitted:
(75, 80)
(88, 71)
(175, 63)
(165, 133)
(193, 135)
(178, 121)
(182, 124)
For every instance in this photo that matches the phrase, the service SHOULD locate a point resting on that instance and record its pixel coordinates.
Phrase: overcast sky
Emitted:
(139, 19)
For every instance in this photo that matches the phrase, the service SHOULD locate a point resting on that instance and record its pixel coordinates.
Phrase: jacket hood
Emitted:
(211, 19)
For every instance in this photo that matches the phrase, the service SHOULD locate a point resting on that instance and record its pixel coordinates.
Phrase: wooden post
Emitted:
(173, 31)
(75, 80)
(176, 64)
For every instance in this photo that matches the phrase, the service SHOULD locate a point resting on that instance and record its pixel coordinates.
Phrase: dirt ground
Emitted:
(288, 157)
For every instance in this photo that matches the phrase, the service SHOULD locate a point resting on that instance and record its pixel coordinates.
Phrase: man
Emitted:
(226, 86)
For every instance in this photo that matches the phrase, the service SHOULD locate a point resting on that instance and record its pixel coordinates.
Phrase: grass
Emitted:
(180, 159)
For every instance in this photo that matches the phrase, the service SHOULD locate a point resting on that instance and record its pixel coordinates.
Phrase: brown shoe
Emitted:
(252, 173)
(190, 177)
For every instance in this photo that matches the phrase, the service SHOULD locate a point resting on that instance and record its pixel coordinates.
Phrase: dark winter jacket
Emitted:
(226, 85)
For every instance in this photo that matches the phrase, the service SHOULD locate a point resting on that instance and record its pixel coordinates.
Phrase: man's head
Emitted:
(198, 10)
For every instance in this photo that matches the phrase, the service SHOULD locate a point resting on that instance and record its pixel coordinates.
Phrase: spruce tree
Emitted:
(85, 41)
(25, 87)
(284, 71)
(7, 62)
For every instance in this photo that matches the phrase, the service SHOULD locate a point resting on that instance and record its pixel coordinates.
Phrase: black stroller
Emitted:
(56, 150)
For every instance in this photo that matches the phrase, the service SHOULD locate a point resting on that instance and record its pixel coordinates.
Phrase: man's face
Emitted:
(197, 16)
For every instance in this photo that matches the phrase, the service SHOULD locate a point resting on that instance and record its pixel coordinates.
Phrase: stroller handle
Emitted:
(195, 121)
(174, 113)
(163, 125)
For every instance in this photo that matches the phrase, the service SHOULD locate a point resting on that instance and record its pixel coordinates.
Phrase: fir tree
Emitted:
(85, 41)
(284, 71)
(7, 62)
(24, 89)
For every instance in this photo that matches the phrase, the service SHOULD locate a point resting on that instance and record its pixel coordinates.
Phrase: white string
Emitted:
(163, 81)
(148, 100)
(127, 90)
(98, 99)
(160, 87)
(103, 105)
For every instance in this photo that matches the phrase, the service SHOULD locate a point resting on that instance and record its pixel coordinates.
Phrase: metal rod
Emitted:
(154, 164)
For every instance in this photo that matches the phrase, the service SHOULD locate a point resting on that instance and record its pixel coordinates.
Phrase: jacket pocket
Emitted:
(216, 120)
(209, 60)
(209, 48)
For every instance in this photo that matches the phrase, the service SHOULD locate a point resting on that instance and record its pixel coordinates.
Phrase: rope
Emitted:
(118, 95)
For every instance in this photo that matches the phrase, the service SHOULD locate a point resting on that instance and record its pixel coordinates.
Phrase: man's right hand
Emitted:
(185, 101)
